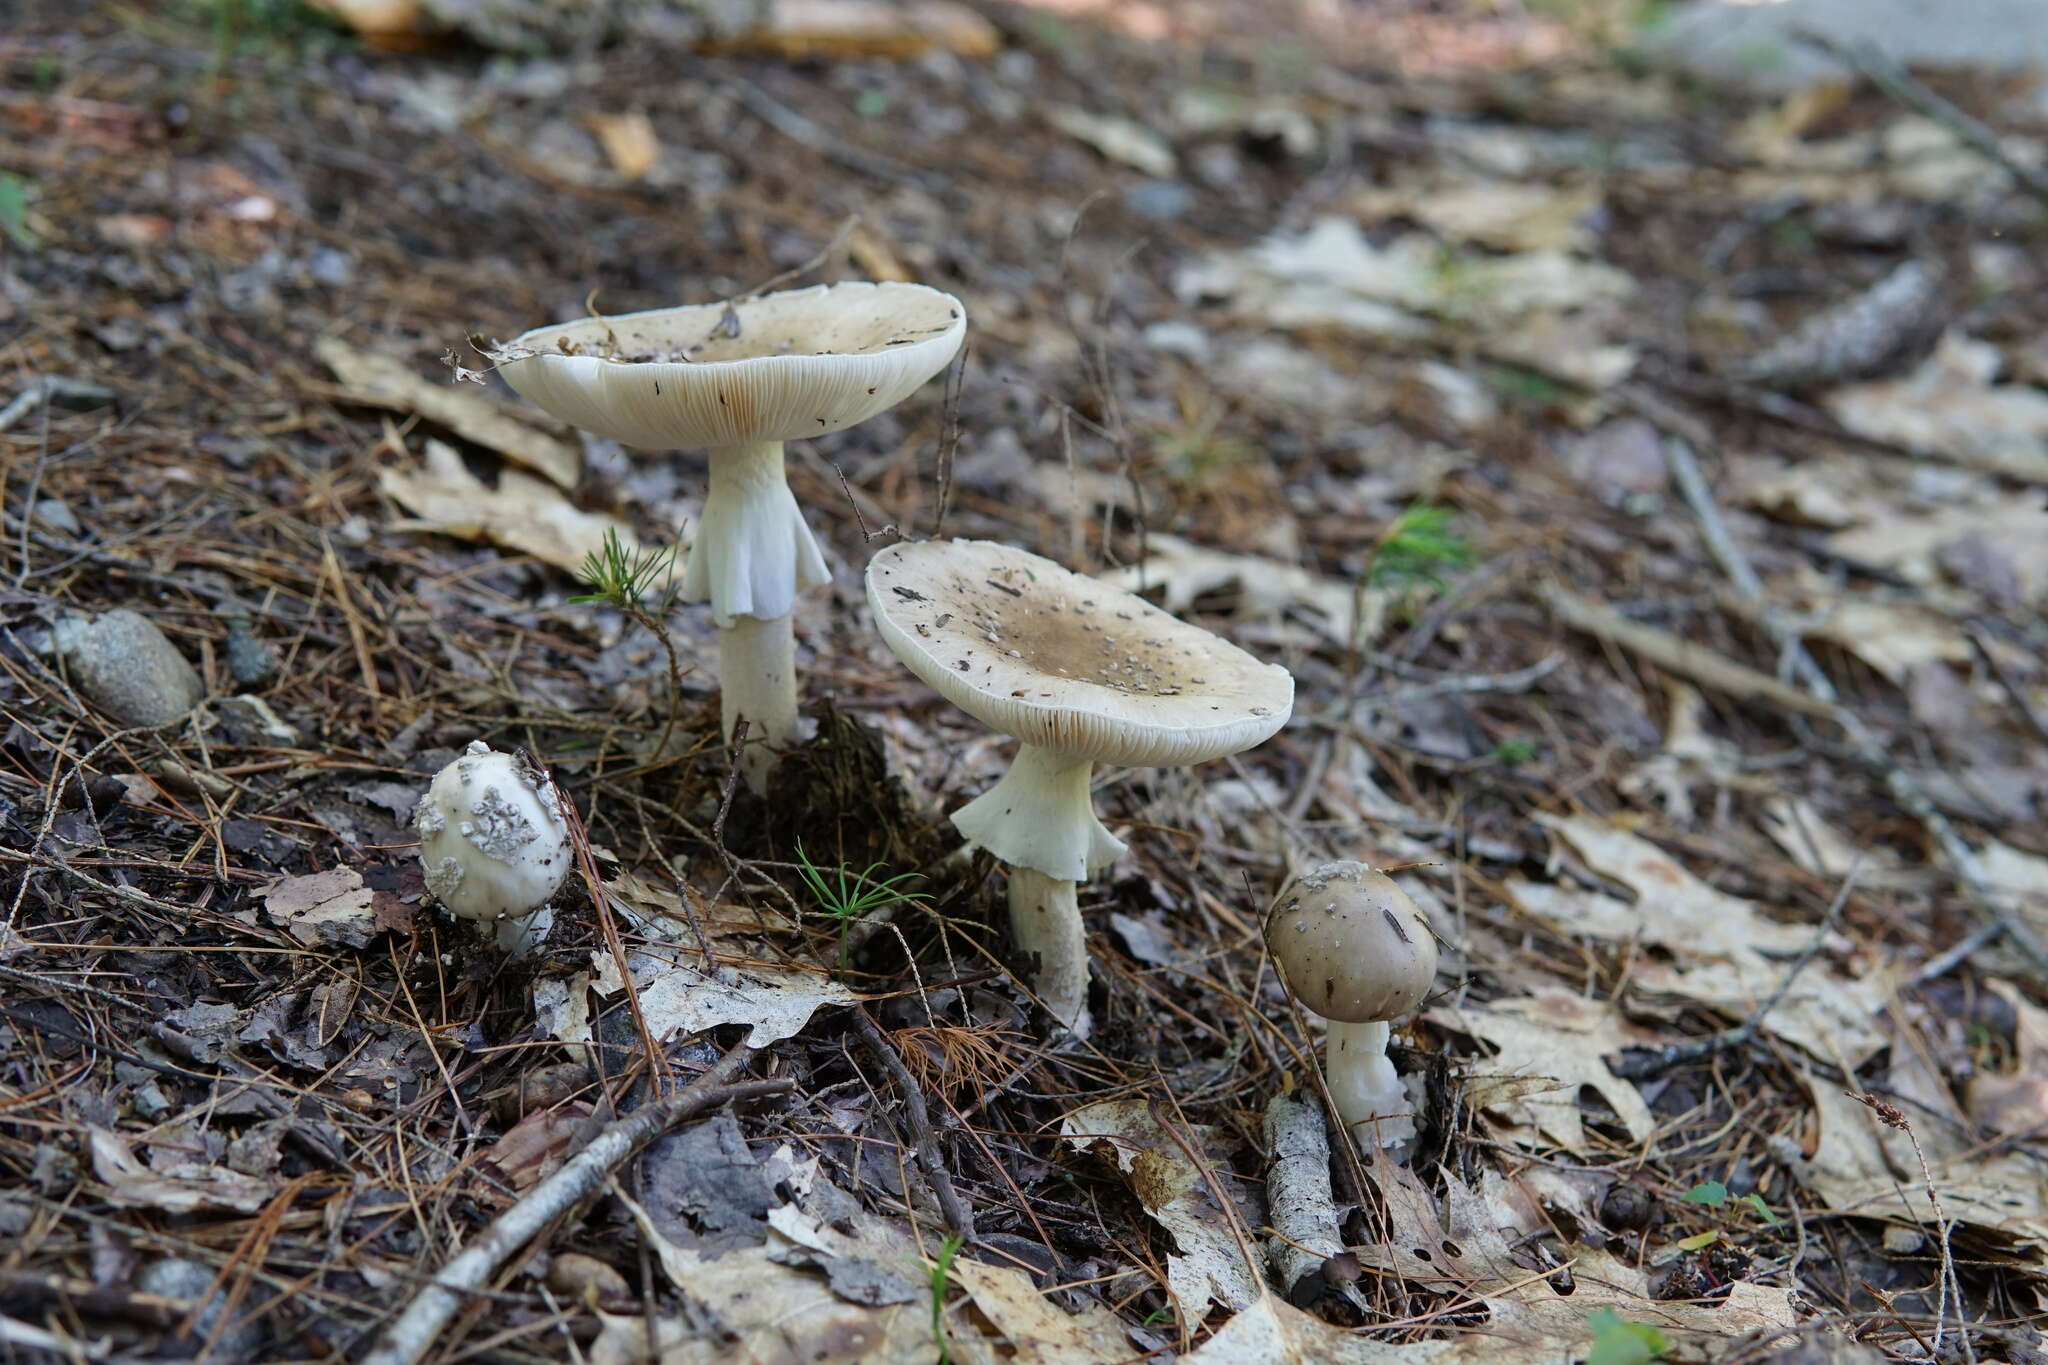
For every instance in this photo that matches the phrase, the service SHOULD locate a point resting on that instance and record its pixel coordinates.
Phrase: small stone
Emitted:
(122, 663)
(1161, 201)
(56, 516)
(189, 1282)
(250, 660)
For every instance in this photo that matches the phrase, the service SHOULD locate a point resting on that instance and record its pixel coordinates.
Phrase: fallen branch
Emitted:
(1298, 1190)
(958, 1218)
(1676, 655)
(1891, 78)
(412, 1334)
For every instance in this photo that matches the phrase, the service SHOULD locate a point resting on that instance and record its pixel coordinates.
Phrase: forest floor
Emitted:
(1644, 488)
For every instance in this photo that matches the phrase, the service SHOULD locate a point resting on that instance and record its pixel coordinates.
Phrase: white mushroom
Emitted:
(737, 381)
(1355, 949)
(494, 844)
(1081, 673)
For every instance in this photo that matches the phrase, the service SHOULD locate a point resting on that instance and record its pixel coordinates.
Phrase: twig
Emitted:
(46, 389)
(16, 1333)
(732, 782)
(1889, 77)
(1891, 1117)
(1685, 470)
(1683, 657)
(805, 132)
(586, 865)
(412, 1334)
(958, 1218)
(1631, 1067)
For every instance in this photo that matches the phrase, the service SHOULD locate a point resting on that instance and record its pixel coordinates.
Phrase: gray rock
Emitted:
(1754, 48)
(123, 664)
(189, 1281)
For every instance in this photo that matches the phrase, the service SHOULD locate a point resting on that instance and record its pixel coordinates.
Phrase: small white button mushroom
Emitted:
(494, 844)
(1355, 949)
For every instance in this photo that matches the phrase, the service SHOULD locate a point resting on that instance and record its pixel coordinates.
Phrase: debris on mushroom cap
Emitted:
(1351, 945)
(493, 840)
(1068, 663)
(779, 367)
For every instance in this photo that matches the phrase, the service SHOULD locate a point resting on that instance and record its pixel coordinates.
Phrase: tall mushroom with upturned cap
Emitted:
(1081, 673)
(738, 380)
(1355, 949)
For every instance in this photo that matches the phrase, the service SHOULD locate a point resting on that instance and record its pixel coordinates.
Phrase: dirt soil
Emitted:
(1688, 668)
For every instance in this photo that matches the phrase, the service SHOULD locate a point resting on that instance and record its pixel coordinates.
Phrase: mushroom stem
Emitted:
(1364, 1086)
(1041, 816)
(757, 680)
(1045, 921)
(752, 553)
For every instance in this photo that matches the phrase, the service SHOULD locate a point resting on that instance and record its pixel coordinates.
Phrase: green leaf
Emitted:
(1617, 1341)
(14, 211)
(1712, 1193)
(1698, 1240)
(1763, 1210)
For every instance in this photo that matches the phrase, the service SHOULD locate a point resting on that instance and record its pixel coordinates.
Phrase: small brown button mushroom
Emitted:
(1082, 673)
(1355, 949)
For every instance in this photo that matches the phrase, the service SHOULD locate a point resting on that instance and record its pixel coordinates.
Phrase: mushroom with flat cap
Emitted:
(1355, 949)
(738, 380)
(1081, 673)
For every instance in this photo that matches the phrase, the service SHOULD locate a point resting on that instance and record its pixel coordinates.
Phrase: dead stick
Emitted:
(1676, 655)
(957, 1216)
(412, 1334)
(1889, 77)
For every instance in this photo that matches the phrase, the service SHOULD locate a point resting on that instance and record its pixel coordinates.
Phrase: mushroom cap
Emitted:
(1351, 945)
(1067, 663)
(493, 841)
(804, 362)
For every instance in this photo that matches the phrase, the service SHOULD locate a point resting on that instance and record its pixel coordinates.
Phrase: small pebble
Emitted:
(123, 664)
(189, 1281)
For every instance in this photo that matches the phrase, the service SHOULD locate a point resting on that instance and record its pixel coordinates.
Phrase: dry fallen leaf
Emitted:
(535, 1147)
(521, 513)
(181, 1189)
(386, 382)
(1861, 1166)
(2013, 528)
(1547, 1046)
(1952, 405)
(323, 907)
(1119, 139)
(1209, 1266)
(767, 1310)
(1724, 953)
(629, 142)
(1035, 1328)
(1461, 1245)
(2010, 1103)
(1535, 305)
(1502, 214)
(847, 30)
(1184, 571)
(676, 997)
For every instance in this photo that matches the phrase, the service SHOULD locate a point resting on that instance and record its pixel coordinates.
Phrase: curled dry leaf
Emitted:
(1037, 1329)
(1119, 139)
(522, 513)
(1503, 214)
(1185, 571)
(1210, 1265)
(1547, 1046)
(386, 382)
(183, 1188)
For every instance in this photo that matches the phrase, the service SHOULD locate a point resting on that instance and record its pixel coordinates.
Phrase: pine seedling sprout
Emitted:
(846, 896)
(623, 579)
